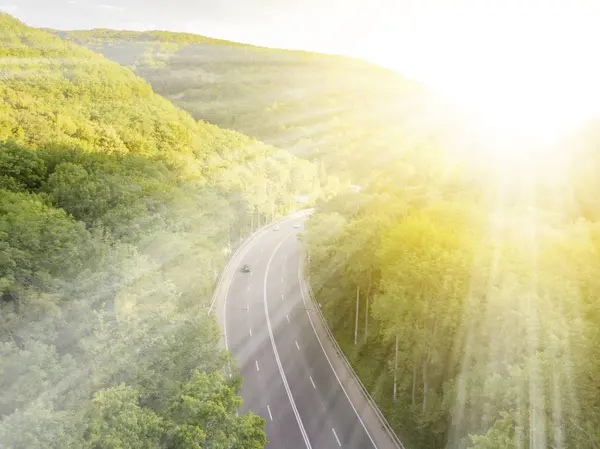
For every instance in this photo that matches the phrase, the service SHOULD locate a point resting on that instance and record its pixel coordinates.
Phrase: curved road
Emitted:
(291, 374)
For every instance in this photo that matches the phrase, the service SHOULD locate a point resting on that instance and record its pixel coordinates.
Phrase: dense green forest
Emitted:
(117, 211)
(478, 307)
(344, 113)
(477, 278)
(482, 269)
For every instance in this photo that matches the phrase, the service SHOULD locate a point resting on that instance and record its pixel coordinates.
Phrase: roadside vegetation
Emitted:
(478, 308)
(117, 211)
(475, 274)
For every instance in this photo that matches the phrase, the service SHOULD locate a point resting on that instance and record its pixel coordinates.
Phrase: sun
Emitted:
(523, 70)
(526, 103)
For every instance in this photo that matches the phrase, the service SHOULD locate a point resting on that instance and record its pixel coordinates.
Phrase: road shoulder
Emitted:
(366, 411)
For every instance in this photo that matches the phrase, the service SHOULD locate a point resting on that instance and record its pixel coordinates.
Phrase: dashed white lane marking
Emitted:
(301, 282)
(287, 317)
(257, 368)
(269, 410)
(248, 288)
(282, 296)
(336, 437)
(311, 381)
(297, 347)
(274, 345)
(250, 332)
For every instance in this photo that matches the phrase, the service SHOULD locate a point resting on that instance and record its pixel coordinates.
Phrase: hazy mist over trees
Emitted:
(117, 211)
(476, 274)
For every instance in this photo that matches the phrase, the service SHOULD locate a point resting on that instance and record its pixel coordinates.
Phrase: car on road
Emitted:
(297, 225)
(246, 269)
(276, 228)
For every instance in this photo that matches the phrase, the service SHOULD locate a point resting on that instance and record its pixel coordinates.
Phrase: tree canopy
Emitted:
(477, 285)
(345, 113)
(117, 211)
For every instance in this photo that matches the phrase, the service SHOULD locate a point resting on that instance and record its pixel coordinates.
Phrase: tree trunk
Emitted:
(425, 386)
(367, 307)
(356, 323)
(396, 368)
(414, 385)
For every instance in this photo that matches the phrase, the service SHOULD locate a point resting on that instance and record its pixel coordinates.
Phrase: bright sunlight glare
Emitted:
(525, 69)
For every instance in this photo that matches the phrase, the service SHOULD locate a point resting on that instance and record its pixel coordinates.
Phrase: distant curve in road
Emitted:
(288, 377)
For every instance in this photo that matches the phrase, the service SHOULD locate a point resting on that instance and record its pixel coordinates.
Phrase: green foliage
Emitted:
(494, 308)
(203, 414)
(118, 421)
(339, 111)
(21, 170)
(40, 243)
(501, 435)
(117, 210)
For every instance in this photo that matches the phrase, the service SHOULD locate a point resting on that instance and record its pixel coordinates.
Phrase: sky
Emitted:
(506, 59)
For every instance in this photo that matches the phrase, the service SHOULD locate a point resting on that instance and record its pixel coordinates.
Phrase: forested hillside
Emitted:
(349, 115)
(117, 211)
(476, 274)
(478, 306)
(483, 268)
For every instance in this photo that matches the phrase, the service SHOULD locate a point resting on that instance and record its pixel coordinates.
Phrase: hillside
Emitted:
(477, 325)
(352, 116)
(117, 211)
(476, 280)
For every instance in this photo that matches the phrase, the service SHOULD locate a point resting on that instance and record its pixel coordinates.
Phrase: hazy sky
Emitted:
(509, 57)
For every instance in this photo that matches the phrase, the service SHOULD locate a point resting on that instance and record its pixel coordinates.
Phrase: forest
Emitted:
(117, 212)
(471, 314)
(344, 114)
(476, 277)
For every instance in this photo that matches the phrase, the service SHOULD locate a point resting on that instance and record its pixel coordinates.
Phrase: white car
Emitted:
(297, 225)
(276, 228)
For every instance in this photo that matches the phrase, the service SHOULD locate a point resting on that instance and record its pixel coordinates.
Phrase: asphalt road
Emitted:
(288, 377)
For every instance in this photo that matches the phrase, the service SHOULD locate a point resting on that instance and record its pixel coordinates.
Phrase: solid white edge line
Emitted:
(269, 410)
(336, 437)
(277, 359)
(225, 327)
(223, 276)
(311, 381)
(250, 238)
(300, 280)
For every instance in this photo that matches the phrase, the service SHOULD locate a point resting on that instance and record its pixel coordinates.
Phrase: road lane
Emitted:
(316, 418)
(310, 361)
(287, 377)
(263, 388)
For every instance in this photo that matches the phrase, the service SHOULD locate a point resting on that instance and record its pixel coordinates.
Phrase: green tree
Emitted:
(21, 169)
(204, 415)
(117, 421)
